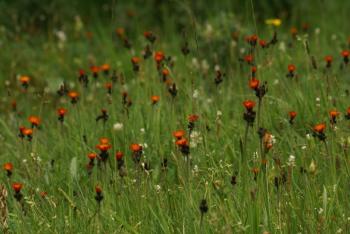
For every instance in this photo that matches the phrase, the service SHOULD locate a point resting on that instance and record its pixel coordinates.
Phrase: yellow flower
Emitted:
(275, 22)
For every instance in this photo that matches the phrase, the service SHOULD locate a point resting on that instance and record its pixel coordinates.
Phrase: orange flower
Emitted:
(135, 60)
(294, 31)
(155, 99)
(17, 187)
(94, 69)
(291, 68)
(345, 53)
(292, 115)
(119, 155)
(98, 189)
(135, 147)
(104, 140)
(255, 170)
(61, 111)
(28, 132)
(249, 58)
(179, 134)
(73, 96)
(319, 128)
(182, 142)
(105, 67)
(159, 56)
(262, 43)
(328, 59)
(92, 156)
(8, 167)
(348, 111)
(193, 118)
(120, 32)
(108, 85)
(334, 113)
(104, 147)
(34, 120)
(254, 83)
(24, 80)
(165, 72)
(248, 104)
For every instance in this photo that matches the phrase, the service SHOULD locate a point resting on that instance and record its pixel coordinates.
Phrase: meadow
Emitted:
(174, 117)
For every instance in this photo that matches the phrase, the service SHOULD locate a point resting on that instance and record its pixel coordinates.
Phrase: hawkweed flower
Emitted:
(260, 90)
(345, 54)
(61, 112)
(8, 167)
(249, 115)
(333, 114)
(329, 60)
(159, 57)
(254, 69)
(105, 69)
(263, 43)
(24, 80)
(34, 120)
(104, 146)
(155, 99)
(147, 52)
(150, 36)
(26, 132)
(94, 69)
(91, 164)
(74, 96)
(103, 116)
(109, 86)
(135, 61)
(318, 131)
(165, 74)
(249, 59)
(292, 115)
(191, 122)
(184, 146)
(21, 132)
(291, 71)
(14, 106)
(347, 115)
(218, 77)
(83, 78)
(126, 101)
(17, 187)
(255, 171)
(252, 40)
(119, 157)
(120, 32)
(136, 150)
(294, 32)
(254, 83)
(98, 196)
(178, 134)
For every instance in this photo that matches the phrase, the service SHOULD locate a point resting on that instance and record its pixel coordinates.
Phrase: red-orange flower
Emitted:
(179, 134)
(334, 113)
(120, 32)
(73, 96)
(61, 111)
(17, 187)
(182, 142)
(262, 43)
(92, 156)
(155, 99)
(254, 83)
(249, 58)
(104, 147)
(319, 128)
(193, 118)
(249, 104)
(104, 140)
(105, 67)
(328, 59)
(94, 69)
(24, 80)
(291, 68)
(165, 72)
(292, 115)
(159, 56)
(28, 131)
(345, 53)
(136, 147)
(294, 31)
(98, 189)
(8, 167)
(34, 120)
(135, 60)
(119, 155)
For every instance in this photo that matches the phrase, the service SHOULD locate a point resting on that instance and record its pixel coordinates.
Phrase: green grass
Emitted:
(313, 193)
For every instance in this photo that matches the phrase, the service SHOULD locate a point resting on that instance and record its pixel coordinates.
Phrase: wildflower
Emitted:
(318, 131)
(347, 115)
(254, 70)
(191, 120)
(249, 115)
(120, 32)
(333, 116)
(218, 77)
(28, 132)
(262, 43)
(292, 115)
(274, 22)
(34, 120)
(249, 59)
(24, 80)
(165, 73)
(135, 63)
(294, 32)
(61, 113)
(119, 157)
(329, 60)
(149, 36)
(179, 134)
(155, 99)
(159, 57)
(104, 116)
(254, 83)
(99, 196)
(136, 152)
(182, 143)
(252, 40)
(83, 78)
(291, 161)
(8, 167)
(345, 54)
(118, 126)
(260, 90)
(109, 86)
(104, 146)
(17, 187)
(255, 171)
(21, 132)
(74, 96)
(105, 68)
(95, 70)
(291, 70)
